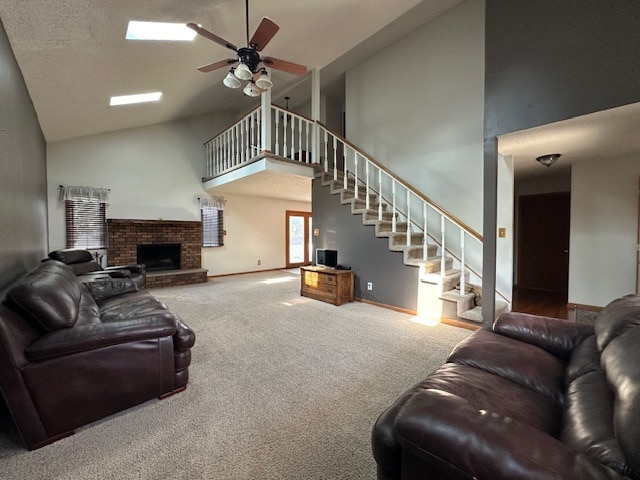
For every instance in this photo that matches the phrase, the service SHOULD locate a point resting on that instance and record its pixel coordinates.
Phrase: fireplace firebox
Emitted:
(158, 257)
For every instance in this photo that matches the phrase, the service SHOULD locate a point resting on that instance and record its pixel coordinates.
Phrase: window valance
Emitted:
(85, 194)
(212, 202)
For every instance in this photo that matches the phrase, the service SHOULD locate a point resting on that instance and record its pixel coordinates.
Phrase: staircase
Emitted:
(447, 252)
(436, 288)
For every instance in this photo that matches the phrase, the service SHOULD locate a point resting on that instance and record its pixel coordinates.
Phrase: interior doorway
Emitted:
(298, 241)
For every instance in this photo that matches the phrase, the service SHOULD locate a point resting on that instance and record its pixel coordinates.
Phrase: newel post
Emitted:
(265, 121)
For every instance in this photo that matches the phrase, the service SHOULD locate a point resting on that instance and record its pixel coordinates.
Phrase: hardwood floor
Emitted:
(540, 302)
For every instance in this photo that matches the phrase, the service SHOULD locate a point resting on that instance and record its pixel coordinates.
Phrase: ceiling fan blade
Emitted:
(284, 65)
(214, 66)
(214, 38)
(263, 34)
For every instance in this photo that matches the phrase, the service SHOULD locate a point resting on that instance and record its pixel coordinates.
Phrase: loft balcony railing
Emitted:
(295, 137)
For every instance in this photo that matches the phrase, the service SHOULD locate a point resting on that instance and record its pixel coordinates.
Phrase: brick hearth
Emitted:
(124, 235)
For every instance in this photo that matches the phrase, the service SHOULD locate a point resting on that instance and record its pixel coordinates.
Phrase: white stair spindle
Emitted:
(425, 237)
(335, 158)
(408, 217)
(284, 135)
(462, 279)
(326, 151)
(293, 137)
(345, 177)
(366, 189)
(277, 147)
(393, 201)
(379, 194)
(442, 246)
(355, 173)
(300, 126)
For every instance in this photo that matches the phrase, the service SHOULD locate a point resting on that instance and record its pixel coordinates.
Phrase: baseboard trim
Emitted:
(388, 307)
(447, 321)
(573, 308)
(244, 273)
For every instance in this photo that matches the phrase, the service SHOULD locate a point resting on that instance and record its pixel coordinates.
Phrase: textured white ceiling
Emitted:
(74, 56)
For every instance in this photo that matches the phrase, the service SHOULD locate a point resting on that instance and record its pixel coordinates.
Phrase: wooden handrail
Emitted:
(407, 185)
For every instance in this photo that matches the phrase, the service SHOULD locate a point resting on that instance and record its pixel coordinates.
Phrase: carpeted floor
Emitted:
(281, 387)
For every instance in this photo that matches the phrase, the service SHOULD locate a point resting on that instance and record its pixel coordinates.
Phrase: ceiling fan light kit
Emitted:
(247, 64)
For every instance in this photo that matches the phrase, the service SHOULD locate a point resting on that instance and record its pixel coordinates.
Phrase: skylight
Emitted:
(138, 98)
(159, 31)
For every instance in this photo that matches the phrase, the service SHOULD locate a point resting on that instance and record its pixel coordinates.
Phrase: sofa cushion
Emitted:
(49, 296)
(130, 305)
(520, 362)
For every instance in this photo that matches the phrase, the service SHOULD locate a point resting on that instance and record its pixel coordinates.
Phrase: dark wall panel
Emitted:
(394, 283)
(23, 177)
(549, 60)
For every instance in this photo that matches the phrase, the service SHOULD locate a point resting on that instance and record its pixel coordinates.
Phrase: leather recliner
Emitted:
(85, 266)
(72, 353)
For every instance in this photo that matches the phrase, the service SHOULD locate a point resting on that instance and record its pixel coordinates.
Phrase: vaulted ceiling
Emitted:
(74, 56)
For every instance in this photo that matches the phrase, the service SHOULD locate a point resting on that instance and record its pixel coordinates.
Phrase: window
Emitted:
(86, 224)
(212, 230)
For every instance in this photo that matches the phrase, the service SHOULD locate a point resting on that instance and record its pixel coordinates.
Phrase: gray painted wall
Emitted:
(23, 174)
(369, 257)
(547, 61)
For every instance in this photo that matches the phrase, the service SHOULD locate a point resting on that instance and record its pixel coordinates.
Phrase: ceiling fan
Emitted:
(248, 64)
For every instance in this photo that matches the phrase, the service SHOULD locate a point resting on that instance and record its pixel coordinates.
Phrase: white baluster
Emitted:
(366, 190)
(408, 217)
(355, 173)
(307, 157)
(335, 158)
(345, 179)
(393, 201)
(379, 194)
(293, 137)
(277, 149)
(462, 279)
(326, 151)
(300, 126)
(425, 237)
(442, 246)
(284, 135)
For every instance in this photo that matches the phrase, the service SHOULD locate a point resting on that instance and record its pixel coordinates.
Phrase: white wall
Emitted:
(604, 226)
(155, 172)
(418, 108)
(256, 231)
(505, 219)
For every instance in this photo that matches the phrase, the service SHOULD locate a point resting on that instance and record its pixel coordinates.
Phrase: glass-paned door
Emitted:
(298, 238)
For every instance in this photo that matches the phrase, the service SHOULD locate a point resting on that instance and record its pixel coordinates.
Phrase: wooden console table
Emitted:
(327, 284)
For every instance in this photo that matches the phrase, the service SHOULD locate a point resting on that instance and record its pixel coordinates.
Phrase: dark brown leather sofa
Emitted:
(72, 353)
(530, 398)
(83, 264)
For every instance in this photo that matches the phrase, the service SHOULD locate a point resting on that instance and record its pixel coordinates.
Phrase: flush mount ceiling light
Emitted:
(549, 159)
(138, 98)
(159, 31)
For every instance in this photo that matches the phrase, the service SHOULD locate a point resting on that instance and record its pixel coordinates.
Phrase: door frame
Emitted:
(307, 237)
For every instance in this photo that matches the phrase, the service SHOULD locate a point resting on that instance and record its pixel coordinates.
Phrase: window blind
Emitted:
(212, 228)
(85, 224)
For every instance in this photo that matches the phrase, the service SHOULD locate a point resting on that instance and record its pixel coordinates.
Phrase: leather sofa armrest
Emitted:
(78, 339)
(556, 336)
(443, 428)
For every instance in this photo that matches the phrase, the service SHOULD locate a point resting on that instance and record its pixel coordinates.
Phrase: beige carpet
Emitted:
(281, 387)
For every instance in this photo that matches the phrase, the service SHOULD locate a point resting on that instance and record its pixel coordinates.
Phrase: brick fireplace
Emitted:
(124, 236)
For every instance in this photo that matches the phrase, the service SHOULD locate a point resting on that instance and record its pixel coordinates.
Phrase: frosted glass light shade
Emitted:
(243, 72)
(231, 80)
(263, 81)
(251, 90)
